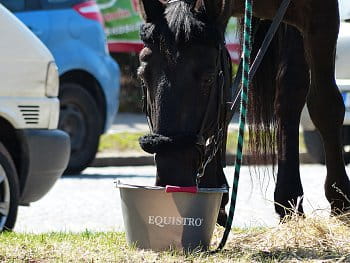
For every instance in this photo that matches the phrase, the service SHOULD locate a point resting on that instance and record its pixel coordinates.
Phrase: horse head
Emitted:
(186, 72)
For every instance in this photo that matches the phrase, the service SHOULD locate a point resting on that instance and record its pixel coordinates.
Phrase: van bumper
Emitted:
(48, 155)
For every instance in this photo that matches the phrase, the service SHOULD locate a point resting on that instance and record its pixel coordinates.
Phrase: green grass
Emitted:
(301, 240)
(128, 141)
(124, 141)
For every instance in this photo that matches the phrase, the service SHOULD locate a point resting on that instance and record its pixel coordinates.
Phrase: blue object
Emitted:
(89, 77)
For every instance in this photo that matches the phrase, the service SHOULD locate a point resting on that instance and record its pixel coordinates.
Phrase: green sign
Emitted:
(122, 24)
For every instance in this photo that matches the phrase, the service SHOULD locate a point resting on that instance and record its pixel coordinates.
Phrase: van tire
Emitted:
(346, 143)
(9, 188)
(80, 118)
(314, 146)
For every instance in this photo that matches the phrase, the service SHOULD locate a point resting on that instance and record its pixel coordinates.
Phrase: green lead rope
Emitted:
(247, 75)
(243, 113)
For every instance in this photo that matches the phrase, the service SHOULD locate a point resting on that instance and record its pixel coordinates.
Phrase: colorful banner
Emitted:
(232, 40)
(122, 24)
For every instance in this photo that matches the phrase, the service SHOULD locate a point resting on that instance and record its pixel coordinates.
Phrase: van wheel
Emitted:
(346, 143)
(80, 118)
(9, 191)
(314, 146)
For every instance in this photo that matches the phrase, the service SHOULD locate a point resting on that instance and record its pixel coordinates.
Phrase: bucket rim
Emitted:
(162, 188)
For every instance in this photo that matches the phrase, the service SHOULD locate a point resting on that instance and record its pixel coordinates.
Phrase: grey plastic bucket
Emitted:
(157, 220)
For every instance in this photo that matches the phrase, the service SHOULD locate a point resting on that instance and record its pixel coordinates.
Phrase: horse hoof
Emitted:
(344, 218)
(222, 218)
(339, 208)
(338, 195)
(292, 216)
(287, 213)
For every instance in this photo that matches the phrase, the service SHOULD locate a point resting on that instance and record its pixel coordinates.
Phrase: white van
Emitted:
(33, 153)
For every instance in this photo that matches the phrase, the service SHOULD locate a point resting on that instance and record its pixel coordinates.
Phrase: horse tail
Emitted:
(263, 118)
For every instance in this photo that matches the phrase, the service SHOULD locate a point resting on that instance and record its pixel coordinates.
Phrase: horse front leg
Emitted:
(292, 86)
(325, 102)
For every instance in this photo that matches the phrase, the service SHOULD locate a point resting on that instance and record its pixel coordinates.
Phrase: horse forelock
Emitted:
(182, 21)
(181, 26)
(190, 26)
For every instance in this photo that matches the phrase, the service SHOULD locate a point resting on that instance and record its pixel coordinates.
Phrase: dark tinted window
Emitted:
(27, 5)
(22, 5)
(14, 5)
(33, 5)
(59, 4)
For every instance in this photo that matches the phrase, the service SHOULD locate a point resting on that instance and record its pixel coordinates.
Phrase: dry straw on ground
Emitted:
(310, 239)
(298, 239)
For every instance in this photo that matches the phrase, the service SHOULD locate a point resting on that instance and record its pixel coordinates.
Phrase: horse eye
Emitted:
(208, 80)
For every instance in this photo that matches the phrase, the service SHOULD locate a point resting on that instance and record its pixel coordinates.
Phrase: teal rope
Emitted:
(243, 113)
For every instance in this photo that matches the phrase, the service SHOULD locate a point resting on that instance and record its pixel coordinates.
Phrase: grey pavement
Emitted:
(131, 122)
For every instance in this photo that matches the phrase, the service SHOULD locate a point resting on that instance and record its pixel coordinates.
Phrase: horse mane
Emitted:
(262, 116)
(265, 92)
(185, 27)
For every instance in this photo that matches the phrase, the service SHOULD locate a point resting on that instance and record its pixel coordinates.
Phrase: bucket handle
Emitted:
(181, 189)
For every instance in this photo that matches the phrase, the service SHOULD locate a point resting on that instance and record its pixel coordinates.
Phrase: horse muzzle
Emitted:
(156, 143)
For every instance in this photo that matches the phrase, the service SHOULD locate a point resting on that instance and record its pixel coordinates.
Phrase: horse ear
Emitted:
(198, 4)
(213, 8)
(151, 10)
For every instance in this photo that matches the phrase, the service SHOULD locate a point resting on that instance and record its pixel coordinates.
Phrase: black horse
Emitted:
(186, 75)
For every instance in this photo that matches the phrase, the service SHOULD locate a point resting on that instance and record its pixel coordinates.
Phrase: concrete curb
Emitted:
(103, 160)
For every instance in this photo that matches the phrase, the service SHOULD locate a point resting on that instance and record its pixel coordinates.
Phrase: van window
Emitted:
(33, 5)
(14, 6)
(58, 1)
(59, 4)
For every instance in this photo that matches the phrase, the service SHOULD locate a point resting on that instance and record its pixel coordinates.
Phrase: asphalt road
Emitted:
(91, 201)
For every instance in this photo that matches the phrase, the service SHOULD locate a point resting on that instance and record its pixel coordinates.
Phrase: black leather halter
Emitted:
(212, 134)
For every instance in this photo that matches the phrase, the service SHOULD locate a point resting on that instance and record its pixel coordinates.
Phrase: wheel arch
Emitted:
(91, 84)
(14, 143)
